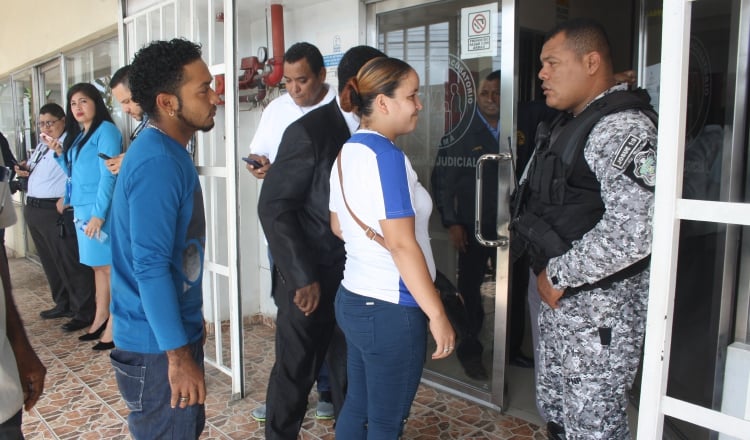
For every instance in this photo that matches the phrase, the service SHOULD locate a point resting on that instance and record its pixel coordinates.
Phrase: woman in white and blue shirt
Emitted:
(386, 295)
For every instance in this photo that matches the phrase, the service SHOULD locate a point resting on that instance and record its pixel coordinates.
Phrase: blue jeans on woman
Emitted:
(386, 345)
(143, 382)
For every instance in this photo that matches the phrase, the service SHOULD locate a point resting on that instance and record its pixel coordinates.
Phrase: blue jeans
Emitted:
(324, 383)
(386, 346)
(11, 428)
(143, 382)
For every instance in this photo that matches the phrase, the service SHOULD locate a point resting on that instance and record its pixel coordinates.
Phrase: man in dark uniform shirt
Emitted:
(454, 188)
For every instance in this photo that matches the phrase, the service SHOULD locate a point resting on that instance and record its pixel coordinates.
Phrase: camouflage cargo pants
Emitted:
(589, 352)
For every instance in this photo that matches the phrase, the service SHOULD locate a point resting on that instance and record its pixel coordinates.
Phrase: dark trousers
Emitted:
(518, 291)
(11, 428)
(472, 267)
(2, 242)
(337, 376)
(301, 345)
(71, 283)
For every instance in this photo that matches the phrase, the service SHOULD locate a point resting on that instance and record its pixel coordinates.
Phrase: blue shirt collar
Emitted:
(495, 131)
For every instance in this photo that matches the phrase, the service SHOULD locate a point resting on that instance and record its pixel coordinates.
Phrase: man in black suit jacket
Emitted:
(308, 258)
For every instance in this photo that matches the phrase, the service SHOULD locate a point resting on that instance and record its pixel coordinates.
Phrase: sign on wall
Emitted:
(479, 31)
(333, 45)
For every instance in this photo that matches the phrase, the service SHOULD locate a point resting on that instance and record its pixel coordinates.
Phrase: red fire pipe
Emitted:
(277, 62)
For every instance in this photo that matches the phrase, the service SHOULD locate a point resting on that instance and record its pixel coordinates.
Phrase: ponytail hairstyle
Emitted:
(380, 75)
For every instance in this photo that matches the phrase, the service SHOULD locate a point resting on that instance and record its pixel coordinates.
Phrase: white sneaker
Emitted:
(324, 410)
(259, 413)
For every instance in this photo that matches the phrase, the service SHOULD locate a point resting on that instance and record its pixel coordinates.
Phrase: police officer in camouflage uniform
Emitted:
(585, 220)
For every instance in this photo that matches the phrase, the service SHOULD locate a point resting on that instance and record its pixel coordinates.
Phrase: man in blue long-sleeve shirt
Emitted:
(158, 237)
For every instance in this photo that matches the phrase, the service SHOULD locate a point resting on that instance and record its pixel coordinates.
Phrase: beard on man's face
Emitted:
(190, 123)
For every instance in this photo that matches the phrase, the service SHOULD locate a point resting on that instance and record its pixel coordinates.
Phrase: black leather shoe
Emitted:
(55, 313)
(474, 368)
(101, 346)
(74, 325)
(522, 361)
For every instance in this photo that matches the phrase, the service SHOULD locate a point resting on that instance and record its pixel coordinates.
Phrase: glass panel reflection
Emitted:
(706, 256)
(443, 150)
(51, 84)
(709, 78)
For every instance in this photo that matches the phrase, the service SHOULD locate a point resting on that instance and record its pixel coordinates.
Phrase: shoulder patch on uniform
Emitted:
(643, 169)
(625, 152)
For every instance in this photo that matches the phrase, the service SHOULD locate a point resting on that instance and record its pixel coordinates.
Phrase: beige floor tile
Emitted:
(81, 400)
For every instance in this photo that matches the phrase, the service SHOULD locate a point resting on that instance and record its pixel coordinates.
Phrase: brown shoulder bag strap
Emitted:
(371, 233)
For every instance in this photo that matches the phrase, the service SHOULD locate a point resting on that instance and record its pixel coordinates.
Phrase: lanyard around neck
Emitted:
(39, 153)
(69, 159)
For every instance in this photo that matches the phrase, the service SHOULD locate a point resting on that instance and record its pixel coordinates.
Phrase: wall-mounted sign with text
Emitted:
(479, 31)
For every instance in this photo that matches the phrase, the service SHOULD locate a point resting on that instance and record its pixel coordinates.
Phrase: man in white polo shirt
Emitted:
(304, 77)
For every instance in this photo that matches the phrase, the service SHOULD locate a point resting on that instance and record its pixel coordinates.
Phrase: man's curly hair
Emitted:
(158, 68)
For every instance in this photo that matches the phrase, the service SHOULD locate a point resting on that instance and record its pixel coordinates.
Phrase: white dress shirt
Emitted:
(47, 179)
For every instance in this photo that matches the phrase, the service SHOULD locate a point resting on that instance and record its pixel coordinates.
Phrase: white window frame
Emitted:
(670, 210)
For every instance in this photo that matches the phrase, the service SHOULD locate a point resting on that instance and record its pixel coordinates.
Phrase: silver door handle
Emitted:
(502, 241)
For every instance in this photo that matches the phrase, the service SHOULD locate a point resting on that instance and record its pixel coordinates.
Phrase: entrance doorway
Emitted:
(709, 303)
(437, 40)
(451, 135)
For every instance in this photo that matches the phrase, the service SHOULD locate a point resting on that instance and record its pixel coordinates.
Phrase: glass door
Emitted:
(455, 48)
(710, 264)
(25, 135)
(22, 140)
(49, 90)
(50, 84)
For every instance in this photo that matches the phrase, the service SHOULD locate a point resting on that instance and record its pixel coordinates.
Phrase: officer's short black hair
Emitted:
(353, 60)
(584, 35)
(305, 50)
(159, 68)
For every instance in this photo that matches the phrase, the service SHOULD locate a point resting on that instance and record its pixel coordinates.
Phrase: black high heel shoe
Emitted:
(95, 335)
(101, 346)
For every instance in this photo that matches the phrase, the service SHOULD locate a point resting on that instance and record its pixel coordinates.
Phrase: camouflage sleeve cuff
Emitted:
(553, 276)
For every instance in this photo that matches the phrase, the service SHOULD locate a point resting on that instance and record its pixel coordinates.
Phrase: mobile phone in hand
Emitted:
(253, 162)
(104, 156)
(46, 138)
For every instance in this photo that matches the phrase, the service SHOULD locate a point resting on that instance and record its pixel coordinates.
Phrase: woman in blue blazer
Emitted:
(89, 191)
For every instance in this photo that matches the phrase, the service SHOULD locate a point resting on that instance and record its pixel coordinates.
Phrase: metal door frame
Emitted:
(214, 271)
